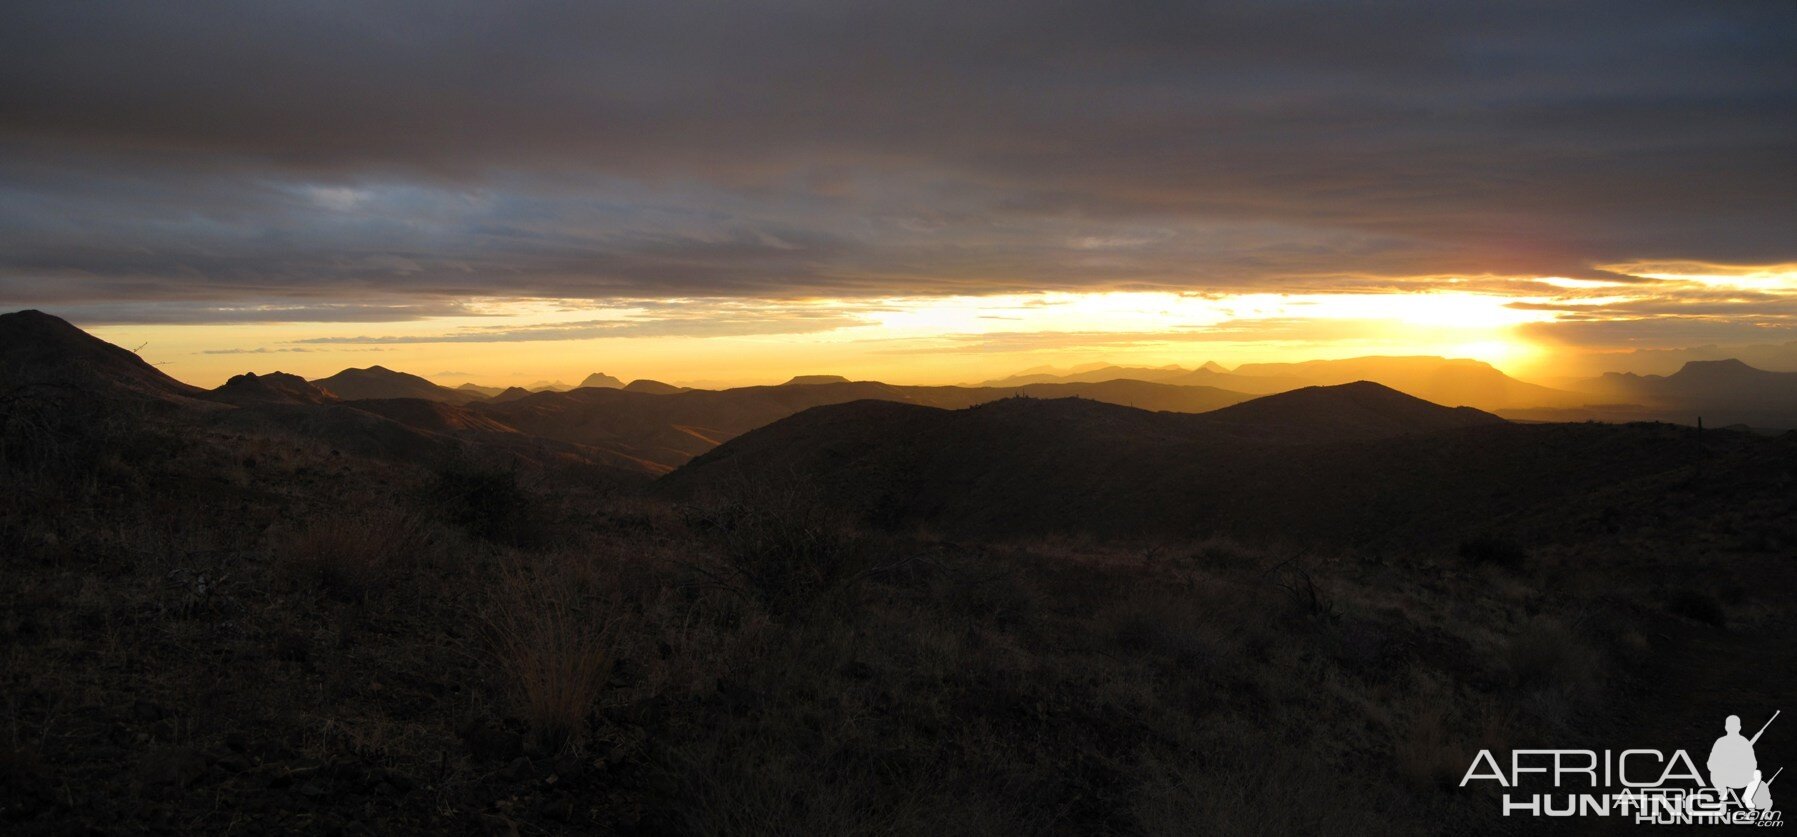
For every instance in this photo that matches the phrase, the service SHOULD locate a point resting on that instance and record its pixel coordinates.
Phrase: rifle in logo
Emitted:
(1761, 797)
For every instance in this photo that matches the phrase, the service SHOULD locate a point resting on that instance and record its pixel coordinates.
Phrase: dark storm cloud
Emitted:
(228, 151)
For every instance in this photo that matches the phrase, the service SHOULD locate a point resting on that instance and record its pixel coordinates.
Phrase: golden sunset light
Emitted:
(941, 417)
(957, 339)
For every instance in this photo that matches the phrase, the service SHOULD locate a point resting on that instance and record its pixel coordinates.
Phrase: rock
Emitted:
(399, 782)
(172, 767)
(567, 767)
(494, 825)
(519, 770)
(487, 744)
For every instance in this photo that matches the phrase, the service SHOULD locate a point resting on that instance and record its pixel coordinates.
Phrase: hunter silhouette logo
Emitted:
(1647, 786)
(1733, 767)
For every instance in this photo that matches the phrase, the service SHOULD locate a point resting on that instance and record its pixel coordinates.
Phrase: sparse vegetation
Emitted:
(488, 504)
(554, 634)
(1494, 550)
(781, 545)
(207, 625)
(1696, 604)
(348, 557)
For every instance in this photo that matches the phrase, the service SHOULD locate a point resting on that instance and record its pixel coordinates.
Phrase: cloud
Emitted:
(261, 350)
(242, 151)
(643, 318)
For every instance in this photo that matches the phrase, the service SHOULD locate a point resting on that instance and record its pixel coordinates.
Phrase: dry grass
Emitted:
(352, 557)
(780, 545)
(555, 637)
(1053, 687)
(1548, 657)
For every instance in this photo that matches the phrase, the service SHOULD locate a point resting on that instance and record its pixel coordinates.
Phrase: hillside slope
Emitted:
(1388, 470)
(47, 354)
(381, 382)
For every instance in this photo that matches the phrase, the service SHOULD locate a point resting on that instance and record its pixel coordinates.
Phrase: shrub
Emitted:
(349, 558)
(1546, 656)
(1424, 754)
(781, 546)
(489, 505)
(555, 641)
(1699, 605)
(1494, 550)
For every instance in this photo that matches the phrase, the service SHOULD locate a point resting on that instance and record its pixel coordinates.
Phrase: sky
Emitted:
(933, 192)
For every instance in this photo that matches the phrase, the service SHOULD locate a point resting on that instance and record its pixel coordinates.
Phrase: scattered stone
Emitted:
(520, 770)
(172, 766)
(497, 826)
(487, 744)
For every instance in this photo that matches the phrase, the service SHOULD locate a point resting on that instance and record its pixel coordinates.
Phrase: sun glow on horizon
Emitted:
(955, 339)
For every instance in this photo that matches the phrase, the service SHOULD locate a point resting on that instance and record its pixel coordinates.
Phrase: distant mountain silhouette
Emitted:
(274, 387)
(1359, 410)
(47, 354)
(814, 380)
(671, 428)
(1094, 373)
(381, 382)
(652, 387)
(1393, 471)
(1255, 384)
(1723, 391)
(602, 380)
(510, 394)
(485, 392)
(1454, 382)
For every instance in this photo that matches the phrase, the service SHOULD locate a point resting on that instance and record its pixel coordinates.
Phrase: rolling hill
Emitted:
(48, 356)
(274, 387)
(381, 382)
(1450, 381)
(1354, 464)
(670, 428)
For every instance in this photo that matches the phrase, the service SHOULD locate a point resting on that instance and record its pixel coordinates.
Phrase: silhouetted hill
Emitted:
(1454, 382)
(48, 355)
(381, 382)
(1208, 375)
(1360, 410)
(814, 380)
(1392, 470)
(671, 428)
(652, 387)
(274, 387)
(1722, 391)
(510, 394)
(484, 392)
(601, 380)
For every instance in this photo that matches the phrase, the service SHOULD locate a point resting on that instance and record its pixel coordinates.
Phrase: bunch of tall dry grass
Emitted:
(555, 637)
